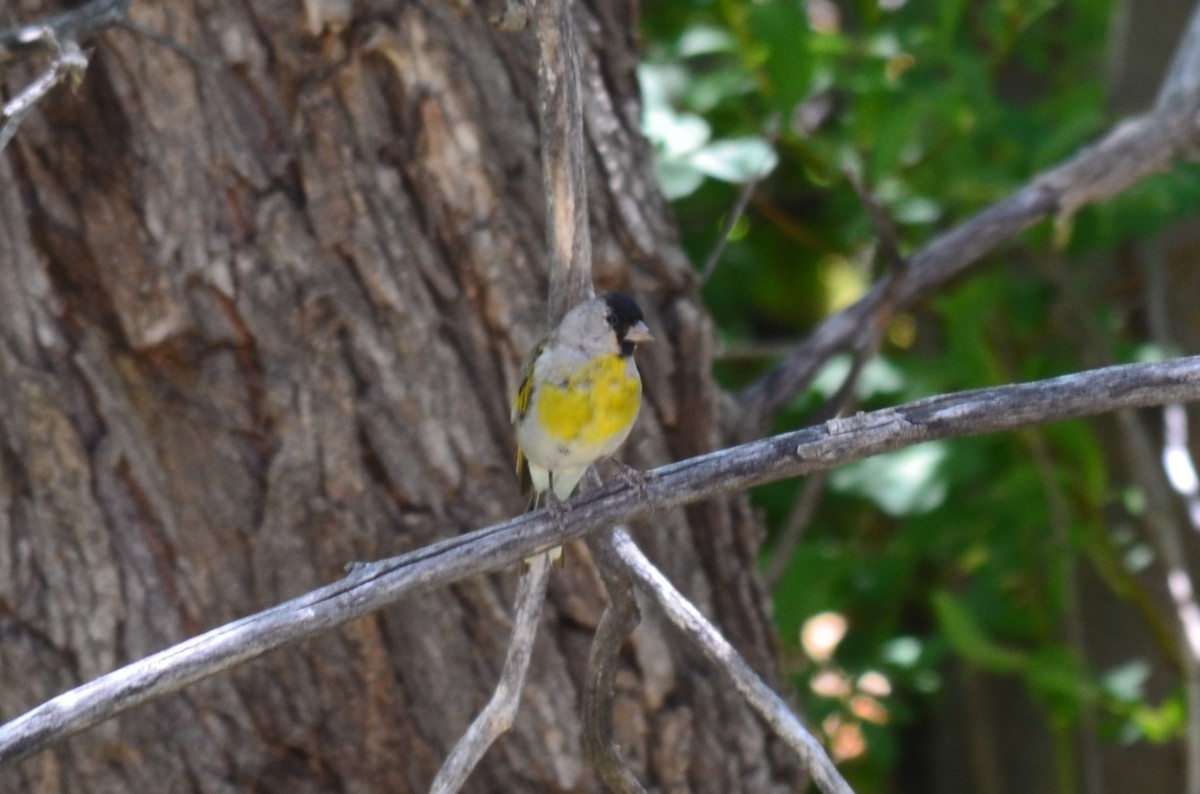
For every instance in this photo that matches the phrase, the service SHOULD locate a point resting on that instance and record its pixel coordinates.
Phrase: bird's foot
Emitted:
(557, 510)
(556, 507)
(634, 478)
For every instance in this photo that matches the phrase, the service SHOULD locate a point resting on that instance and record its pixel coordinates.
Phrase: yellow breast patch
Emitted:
(596, 403)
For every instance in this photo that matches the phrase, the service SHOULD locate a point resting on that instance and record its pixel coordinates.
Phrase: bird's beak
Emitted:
(639, 333)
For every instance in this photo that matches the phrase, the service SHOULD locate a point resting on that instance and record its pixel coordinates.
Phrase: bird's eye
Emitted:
(612, 318)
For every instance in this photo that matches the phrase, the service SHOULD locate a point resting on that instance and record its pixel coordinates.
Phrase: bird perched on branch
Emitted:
(579, 396)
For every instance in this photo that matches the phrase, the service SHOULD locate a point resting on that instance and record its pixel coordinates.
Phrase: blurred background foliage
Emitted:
(960, 554)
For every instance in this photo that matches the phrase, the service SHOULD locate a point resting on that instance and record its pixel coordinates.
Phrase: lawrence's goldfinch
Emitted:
(579, 396)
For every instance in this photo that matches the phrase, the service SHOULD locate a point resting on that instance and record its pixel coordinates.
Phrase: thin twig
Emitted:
(752, 350)
(881, 222)
(800, 516)
(1133, 149)
(696, 628)
(497, 717)
(372, 586)
(68, 65)
(739, 206)
(870, 336)
(619, 619)
(1183, 76)
(78, 25)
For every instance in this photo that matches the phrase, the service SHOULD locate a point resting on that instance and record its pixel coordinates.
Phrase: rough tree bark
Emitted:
(260, 321)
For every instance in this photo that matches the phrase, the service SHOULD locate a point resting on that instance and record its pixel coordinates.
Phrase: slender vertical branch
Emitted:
(743, 201)
(570, 255)
(497, 717)
(619, 619)
(564, 174)
(1182, 82)
(794, 526)
(564, 165)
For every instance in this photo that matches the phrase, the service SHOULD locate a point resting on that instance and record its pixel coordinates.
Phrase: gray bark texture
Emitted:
(260, 321)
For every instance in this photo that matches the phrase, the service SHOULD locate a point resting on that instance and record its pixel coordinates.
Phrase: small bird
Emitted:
(580, 394)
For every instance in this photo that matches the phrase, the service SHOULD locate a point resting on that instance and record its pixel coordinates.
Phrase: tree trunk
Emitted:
(260, 321)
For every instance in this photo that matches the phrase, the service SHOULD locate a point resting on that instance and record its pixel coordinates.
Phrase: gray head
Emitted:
(611, 323)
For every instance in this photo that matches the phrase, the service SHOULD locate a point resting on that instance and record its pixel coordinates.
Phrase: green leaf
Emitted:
(705, 40)
(1128, 681)
(901, 483)
(737, 160)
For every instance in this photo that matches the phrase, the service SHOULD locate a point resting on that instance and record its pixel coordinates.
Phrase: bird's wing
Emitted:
(520, 407)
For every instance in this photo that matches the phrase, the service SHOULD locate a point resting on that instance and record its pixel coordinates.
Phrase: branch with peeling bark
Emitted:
(372, 586)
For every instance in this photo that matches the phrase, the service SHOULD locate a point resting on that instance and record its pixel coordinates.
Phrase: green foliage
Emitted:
(960, 551)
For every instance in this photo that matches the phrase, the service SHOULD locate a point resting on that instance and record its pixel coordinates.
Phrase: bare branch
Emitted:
(798, 519)
(619, 619)
(77, 25)
(1130, 151)
(564, 167)
(497, 717)
(870, 336)
(68, 65)
(61, 35)
(564, 179)
(371, 586)
(695, 627)
(885, 230)
(1183, 76)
